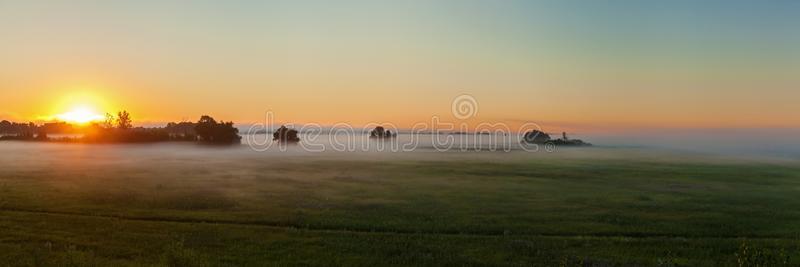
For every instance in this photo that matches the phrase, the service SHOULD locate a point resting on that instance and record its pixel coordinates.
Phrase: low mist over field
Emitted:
(185, 201)
(777, 143)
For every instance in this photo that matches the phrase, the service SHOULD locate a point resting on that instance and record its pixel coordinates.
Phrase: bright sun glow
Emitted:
(80, 115)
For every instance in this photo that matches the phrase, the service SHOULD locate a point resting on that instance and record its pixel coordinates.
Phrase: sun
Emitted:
(80, 115)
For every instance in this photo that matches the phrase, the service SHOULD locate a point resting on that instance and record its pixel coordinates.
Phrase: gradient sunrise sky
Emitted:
(573, 64)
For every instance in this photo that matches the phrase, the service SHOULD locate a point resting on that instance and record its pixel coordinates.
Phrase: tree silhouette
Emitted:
(119, 129)
(380, 132)
(539, 137)
(210, 131)
(5, 126)
(109, 121)
(536, 137)
(124, 121)
(286, 135)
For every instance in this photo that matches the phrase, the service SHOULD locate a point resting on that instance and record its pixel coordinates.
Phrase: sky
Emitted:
(587, 65)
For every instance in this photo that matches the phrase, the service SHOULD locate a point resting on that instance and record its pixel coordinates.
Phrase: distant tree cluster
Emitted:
(119, 129)
(285, 135)
(11, 130)
(184, 128)
(536, 137)
(539, 137)
(210, 131)
(380, 132)
(24, 131)
(182, 131)
(57, 128)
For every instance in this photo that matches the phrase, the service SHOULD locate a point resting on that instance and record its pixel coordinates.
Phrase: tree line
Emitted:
(118, 128)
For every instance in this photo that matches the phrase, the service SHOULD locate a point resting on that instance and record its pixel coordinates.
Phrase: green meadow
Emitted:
(104, 205)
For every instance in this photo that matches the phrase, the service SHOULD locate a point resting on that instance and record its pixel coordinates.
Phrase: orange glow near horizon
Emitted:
(80, 115)
(86, 101)
(82, 106)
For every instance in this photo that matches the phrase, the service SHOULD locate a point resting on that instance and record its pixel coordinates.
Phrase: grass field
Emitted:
(83, 205)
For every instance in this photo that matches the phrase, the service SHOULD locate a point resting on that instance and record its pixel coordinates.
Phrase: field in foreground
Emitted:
(77, 205)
